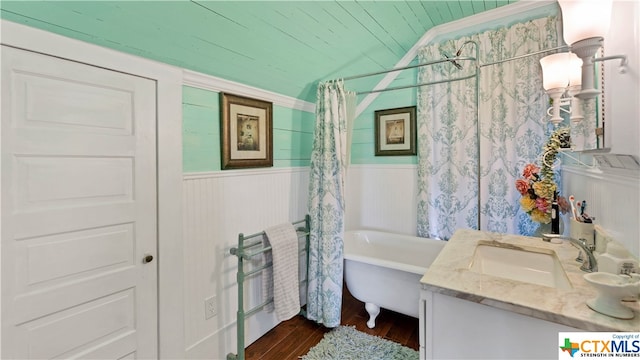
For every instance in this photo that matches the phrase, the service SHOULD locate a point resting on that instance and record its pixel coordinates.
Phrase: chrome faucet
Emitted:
(589, 265)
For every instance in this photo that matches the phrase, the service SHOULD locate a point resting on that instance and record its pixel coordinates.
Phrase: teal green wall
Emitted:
(200, 130)
(292, 133)
(126, 26)
(363, 141)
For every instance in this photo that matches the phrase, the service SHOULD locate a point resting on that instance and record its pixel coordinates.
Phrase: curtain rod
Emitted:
(408, 67)
(525, 55)
(416, 85)
(564, 47)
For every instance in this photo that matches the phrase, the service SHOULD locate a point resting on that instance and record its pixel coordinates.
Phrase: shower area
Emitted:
(479, 133)
(481, 117)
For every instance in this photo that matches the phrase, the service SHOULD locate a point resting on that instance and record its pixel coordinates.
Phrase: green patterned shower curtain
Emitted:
(512, 130)
(447, 146)
(326, 202)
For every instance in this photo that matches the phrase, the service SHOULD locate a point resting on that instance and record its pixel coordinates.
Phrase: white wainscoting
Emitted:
(382, 197)
(613, 198)
(217, 207)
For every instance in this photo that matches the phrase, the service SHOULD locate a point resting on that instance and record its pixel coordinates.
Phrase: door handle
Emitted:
(147, 259)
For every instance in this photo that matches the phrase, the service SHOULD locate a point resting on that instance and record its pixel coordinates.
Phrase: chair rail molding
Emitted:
(247, 172)
(216, 84)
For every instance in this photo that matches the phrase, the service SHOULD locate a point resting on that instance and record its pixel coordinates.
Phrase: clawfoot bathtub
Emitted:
(383, 270)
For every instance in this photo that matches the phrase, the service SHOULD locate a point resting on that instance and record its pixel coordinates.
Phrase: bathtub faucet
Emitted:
(588, 265)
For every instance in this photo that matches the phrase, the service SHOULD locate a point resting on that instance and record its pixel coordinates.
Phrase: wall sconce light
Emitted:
(585, 24)
(562, 72)
(555, 79)
(575, 85)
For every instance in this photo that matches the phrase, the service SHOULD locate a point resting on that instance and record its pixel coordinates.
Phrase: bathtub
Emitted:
(383, 270)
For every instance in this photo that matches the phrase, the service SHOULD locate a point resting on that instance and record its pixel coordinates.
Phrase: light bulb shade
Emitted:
(584, 19)
(555, 71)
(575, 70)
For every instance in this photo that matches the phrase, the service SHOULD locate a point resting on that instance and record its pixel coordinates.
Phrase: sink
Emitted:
(527, 264)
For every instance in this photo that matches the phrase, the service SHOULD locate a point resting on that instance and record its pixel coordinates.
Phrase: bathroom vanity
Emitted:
(499, 309)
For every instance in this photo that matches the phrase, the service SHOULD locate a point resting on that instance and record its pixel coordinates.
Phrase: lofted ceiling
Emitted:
(281, 46)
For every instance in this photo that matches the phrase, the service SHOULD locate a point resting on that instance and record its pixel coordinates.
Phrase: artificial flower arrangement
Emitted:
(537, 185)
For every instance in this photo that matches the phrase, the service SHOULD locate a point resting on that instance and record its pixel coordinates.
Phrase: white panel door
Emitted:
(78, 190)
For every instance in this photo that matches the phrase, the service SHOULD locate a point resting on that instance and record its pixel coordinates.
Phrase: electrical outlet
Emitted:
(210, 308)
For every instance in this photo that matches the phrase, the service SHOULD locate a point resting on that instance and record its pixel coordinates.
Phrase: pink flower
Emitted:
(530, 170)
(537, 191)
(522, 186)
(542, 204)
(563, 204)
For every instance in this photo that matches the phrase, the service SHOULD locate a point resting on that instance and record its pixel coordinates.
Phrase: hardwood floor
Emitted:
(293, 338)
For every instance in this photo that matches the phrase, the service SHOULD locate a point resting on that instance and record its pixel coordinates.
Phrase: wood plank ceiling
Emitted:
(281, 46)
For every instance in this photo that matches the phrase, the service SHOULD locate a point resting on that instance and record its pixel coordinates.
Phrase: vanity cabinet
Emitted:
(453, 328)
(466, 313)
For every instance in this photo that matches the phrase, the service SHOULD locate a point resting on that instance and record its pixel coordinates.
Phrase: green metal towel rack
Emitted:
(302, 229)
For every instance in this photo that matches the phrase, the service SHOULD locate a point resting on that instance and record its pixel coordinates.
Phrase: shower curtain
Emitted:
(329, 160)
(447, 147)
(512, 131)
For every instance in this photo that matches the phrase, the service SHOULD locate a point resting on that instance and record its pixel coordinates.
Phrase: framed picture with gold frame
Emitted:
(246, 132)
(395, 131)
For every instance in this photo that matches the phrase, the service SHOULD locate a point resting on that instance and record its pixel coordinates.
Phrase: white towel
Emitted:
(281, 281)
(267, 275)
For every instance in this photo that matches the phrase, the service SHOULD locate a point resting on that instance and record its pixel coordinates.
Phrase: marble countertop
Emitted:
(450, 275)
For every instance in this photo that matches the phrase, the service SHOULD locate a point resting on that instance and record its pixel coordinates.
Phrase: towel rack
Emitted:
(246, 250)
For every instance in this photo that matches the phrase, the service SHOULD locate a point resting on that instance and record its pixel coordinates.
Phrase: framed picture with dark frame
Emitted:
(395, 131)
(246, 132)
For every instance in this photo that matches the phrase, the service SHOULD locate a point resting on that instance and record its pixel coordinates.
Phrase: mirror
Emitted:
(587, 123)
